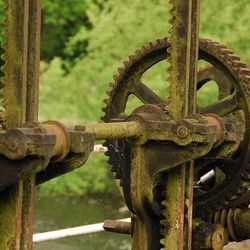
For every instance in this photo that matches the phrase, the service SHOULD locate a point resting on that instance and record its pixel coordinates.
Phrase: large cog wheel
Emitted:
(232, 77)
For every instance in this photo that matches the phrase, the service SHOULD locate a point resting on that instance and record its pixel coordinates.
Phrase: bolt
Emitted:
(15, 143)
(182, 132)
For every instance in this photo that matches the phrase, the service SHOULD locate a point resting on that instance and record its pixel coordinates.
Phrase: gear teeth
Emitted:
(245, 71)
(164, 224)
(103, 110)
(120, 70)
(241, 64)
(242, 71)
(226, 50)
(234, 57)
(3, 12)
(126, 63)
(132, 58)
(172, 22)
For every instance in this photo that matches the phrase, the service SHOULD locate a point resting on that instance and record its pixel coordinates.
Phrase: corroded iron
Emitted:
(160, 151)
(208, 236)
(183, 59)
(50, 142)
(21, 53)
(236, 221)
(116, 226)
(120, 151)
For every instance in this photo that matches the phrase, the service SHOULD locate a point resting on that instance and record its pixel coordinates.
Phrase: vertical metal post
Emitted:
(21, 71)
(184, 57)
(15, 81)
(34, 26)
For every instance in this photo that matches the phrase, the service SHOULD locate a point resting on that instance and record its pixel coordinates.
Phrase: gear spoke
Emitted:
(146, 95)
(223, 107)
(209, 73)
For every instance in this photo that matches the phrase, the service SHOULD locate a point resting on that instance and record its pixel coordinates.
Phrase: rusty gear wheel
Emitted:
(232, 78)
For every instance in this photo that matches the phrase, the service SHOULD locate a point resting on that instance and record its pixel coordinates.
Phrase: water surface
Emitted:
(55, 214)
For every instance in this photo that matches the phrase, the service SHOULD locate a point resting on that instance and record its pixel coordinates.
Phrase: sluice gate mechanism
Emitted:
(184, 169)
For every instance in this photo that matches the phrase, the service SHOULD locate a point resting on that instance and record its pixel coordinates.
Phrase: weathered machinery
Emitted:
(184, 169)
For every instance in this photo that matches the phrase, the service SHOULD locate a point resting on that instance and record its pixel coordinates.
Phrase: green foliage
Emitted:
(227, 22)
(60, 21)
(92, 178)
(1, 20)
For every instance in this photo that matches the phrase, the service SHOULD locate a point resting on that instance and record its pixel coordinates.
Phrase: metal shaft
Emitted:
(33, 63)
(115, 130)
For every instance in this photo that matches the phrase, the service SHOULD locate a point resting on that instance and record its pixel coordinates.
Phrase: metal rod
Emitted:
(33, 64)
(69, 232)
(115, 130)
(15, 80)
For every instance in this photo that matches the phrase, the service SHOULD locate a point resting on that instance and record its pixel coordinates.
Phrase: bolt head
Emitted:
(182, 132)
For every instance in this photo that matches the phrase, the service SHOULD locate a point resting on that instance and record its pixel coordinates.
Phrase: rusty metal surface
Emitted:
(15, 91)
(183, 59)
(114, 130)
(152, 150)
(80, 147)
(236, 221)
(128, 81)
(116, 226)
(62, 142)
(32, 89)
(208, 236)
(49, 143)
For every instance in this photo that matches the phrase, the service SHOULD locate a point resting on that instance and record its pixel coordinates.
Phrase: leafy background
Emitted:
(83, 43)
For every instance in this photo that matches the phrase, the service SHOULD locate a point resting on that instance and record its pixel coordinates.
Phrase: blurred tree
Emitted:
(60, 21)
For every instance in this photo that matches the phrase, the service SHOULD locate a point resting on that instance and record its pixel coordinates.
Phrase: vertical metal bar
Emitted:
(184, 56)
(21, 73)
(15, 96)
(33, 60)
(27, 213)
(174, 209)
(194, 16)
(10, 217)
(31, 115)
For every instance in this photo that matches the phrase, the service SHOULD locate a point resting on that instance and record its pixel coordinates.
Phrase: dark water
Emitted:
(55, 214)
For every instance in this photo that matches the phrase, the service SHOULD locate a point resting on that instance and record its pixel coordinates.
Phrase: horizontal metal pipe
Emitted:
(114, 130)
(69, 232)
